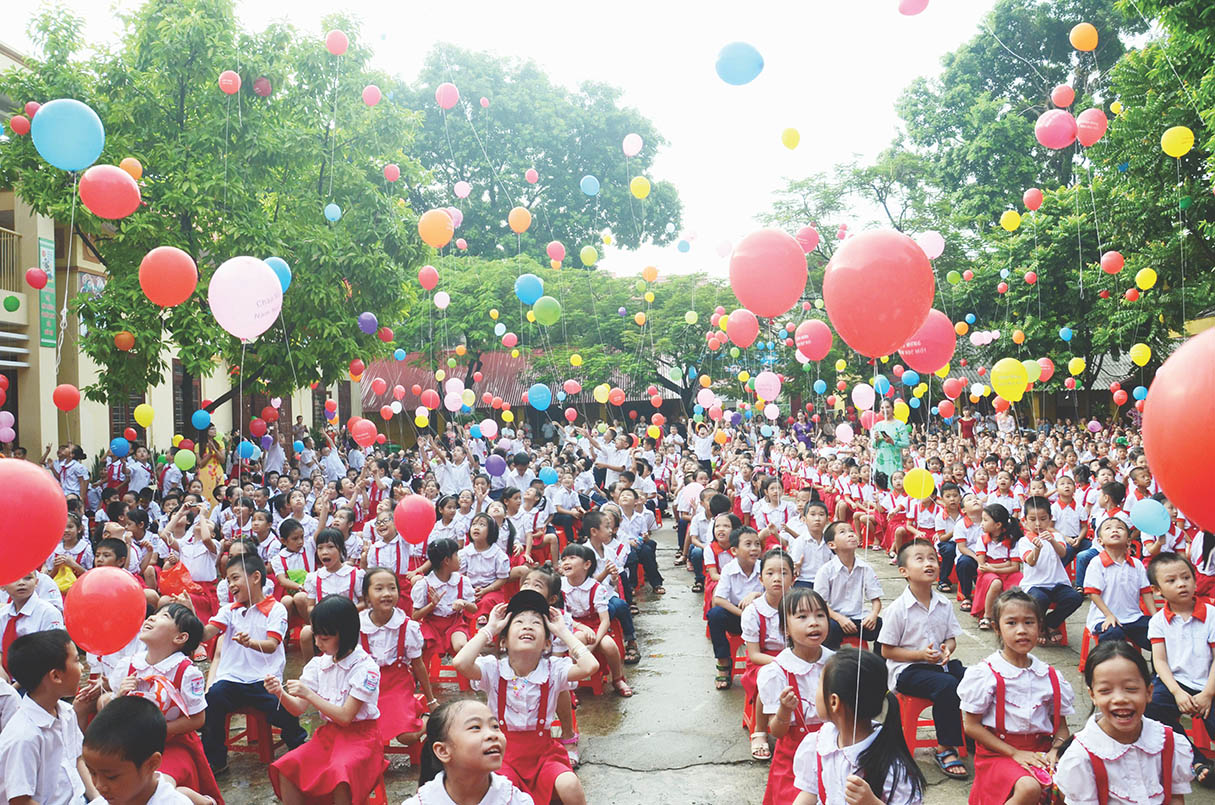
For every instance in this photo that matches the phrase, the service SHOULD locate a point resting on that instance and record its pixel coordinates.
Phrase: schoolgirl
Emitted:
(764, 637)
(999, 564)
(587, 601)
(485, 565)
(461, 758)
(443, 601)
(331, 577)
(774, 516)
(395, 642)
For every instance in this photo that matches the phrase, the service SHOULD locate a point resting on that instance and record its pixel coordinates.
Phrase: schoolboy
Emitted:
(1108, 506)
(846, 583)
(810, 551)
(1042, 574)
(739, 586)
(25, 613)
(123, 748)
(968, 537)
(1116, 583)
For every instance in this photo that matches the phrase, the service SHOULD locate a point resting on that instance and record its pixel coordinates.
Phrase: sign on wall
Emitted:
(46, 297)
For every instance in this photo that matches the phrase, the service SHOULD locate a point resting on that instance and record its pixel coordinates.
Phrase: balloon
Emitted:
(1151, 517)
(790, 138)
(933, 344)
(1008, 378)
(1132, 295)
(1033, 371)
(589, 185)
(863, 396)
(739, 63)
(529, 288)
(20, 124)
(742, 327)
(414, 516)
(1120, 397)
(1091, 125)
(1031, 277)
(1055, 129)
(372, 96)
(519, 220)
(1140, 393)
(918, 483)
(1140, 354)
(333, 213)
(547, 310)
(1075, 366)
(909, 8)
(428, 277)
(36, 278)
(280, 268)
(1018, 337)
(442, 300)
(510, 340)
(631, 145)
(767, 385)
(368, 322)
(616, 396)
(436, 228)
(807, 236)
(1069, 383)
(813, 339)
(363, 433)
(1032, 198)
(1010, 220)
(261, 88)
(1062, 96)
(109, 192)
(392, 172)
(186, 459)
(446, 95)
(878, 259)
(768, 272)
(953, 278)
(639, 186)
(336, 42)
(1046, 369)
(104, 609)
(1176, 142)
(946, 409)
(1002, 287)
(120, 447)
(1083, 37)
(462, 189)
(932, 243)
(953, 387)
(1112, 262)
(143, 414)
(539, 396)
(588, 255)
(68, 134)
(843, 432)
(1145, 278)
(1065, 333)
(65, 396)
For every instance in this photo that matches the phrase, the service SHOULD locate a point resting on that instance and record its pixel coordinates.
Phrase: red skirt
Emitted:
(1206, 585)
(710, 586)
(185, 761)
(996, 775)
(984, 584)
(893, 523)
(780, 789)
(353, 755)
(533, 763)
(400, 710)
(828, 499)
(488, 602)
(415, 562)
(437, 631)
(206, 603)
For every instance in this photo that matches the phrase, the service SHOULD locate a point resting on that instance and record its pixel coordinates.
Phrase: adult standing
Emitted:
(890, 438)
(211, 465)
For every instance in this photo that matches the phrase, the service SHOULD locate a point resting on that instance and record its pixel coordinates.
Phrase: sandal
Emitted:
(1202, 773)
(947, 765)
(944, 586)
(634, 609)
(725, 676)
(984, 624)
(571, 748)
(965, 605)
(698, 586)
(759, 746)
(678, 558)
(631, 655)
(659, 590)
(1055, 638)
(622, 688)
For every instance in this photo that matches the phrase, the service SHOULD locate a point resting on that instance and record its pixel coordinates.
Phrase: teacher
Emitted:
(890, 438)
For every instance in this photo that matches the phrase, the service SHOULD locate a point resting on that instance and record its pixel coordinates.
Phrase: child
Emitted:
(636, 525)
(292, 565)
(1120, 757)
(442, 601)
(25, 613)
(999, 564)
(764, 637)
(251, 649)
(918, 642)
(537, 542)
(774, 517)
(610, 557)
(738, 587)
(1109, 497)
(968, 536)
(40, 745)
(1069, 519)
(1116, 583)
(1202, 556)
(461, 756)
(533, 760)
(445, 521)
(850, 752)
(395, 642)
(946, 517)
(344, 758)
(1182, 635)
(485, 565)
(123, 750)
(1013, 707)
(586, 600)
(333, 576)
(73, 553)
(1043, 576)
(788, 686)
(392, 551)
(846, 583)
(810, 550)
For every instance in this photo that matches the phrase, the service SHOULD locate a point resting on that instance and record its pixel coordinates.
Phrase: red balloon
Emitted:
(841, 385)
(616, 396)
(486, 398)
(879, 259)
(953, 387)
(813, 339)
(386, 412)
(1070, 383)
(385, 334)
(478, 377)
(414, 517)
(167, 276)
(868, 420)
(1002, 287)
(656, 401)
(415, 389)
(497, 402)
(831, 400)
(357, 367)
(1115, 386)
(571, 386)
(945, 408)
(714, 345)
(1132, 295)
(1048, 369)
(35, 278)
(130, 434)
(257, 427)
(570, 414)
(1032, 199)
(381, 439)
(363, 433)
(229, 82)
(1031, 277)
(104, 609)
(932, 345)
(428, 277)
(379, 385)
(742, 327)
(20, 124)
(270, 413)
(982, 370)
(633, 415)
(1112, 262)
(1000, 404)
(392, 172)
(65, 397)
(1120, 397)
(430, 399)
(1091, 125)
(109, 191)
(398, 392)
(968, 275)
(658, 419)
(331, 405)
(1055, 129)
(768, 272)
(1062, 96)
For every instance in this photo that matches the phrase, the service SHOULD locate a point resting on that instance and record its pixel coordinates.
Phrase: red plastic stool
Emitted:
(603, 678)
(379, 794)
(257, 736)
(1199, 735)
(413, 750)
(855, 641)
(441, 673)
(910, 708)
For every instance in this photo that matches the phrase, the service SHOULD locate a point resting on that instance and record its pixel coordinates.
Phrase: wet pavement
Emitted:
(678, 740)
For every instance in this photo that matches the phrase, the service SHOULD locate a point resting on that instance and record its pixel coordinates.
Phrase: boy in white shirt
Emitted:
(24, 614)
(122, 751)
(1042, 572)
(846, 583)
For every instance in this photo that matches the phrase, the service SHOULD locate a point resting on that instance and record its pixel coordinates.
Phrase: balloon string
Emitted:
(67, 277)
(227, 117)
(337, 80)
(1079, 242)
(1181, 242)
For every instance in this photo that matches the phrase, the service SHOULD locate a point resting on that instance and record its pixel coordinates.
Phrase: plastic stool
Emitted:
(445, 673)
(258, 736)
(910, 708)
(1199, 735)
(379, 794)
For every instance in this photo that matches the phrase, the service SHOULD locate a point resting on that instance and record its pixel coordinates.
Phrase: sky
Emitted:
(833, 70)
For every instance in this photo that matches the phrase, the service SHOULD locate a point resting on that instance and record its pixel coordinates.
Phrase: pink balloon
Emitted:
(767, 385)
(1032, 198)
(8, 435)
(452, 402)
(910, 8)
(531, 176)
(1048, 369)
(813, 339)
(768, 272)
(555, 250)
(456, 216)
(932, 243)
(571, 386)
(705, 398)
(863, 396)
(463, 189)
(742, 327)
(1091, 126)
(371, 95)
(933, 344)
(1055, 129)
(336, 42)
(461, 244)
(392, 172)
(428, 277)
(843, 432)
(484, 102)
(510, 340)
(446, 95)
(245, 297)
(229, 82)
(868, 420)
(807, 236)
(631, 145)
(1062, 96)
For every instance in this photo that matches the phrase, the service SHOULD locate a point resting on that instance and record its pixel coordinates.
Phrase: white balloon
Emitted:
(454, 385)
(442, 300)
(771, 411)
(396, 406)
(489, 428)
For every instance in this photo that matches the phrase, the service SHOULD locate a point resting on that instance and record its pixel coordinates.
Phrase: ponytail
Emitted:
(436, 730)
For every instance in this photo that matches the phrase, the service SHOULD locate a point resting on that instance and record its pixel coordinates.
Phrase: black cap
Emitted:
(528, 601)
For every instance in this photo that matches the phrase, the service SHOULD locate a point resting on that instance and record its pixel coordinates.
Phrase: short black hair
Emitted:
(737, 534)
(1165, 558)
(491, 527)
(129, 727)
(115, 510)
(583, 552)
(31, 657)
(186, 622)
(816, 504)
(1115, 491)
(918, 542)
(138, 517)
(337, 615)
(1037, 503)
(592, 520)
(718, 504)
(288, 527)
(440, 550)
(250, 563)
(116, 545)
(331, 536)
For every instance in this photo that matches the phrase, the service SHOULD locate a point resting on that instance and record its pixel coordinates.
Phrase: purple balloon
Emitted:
(6, 419)
(7, 435)
(368, 322)
(622, 312)
(495, 465)
(266, 441)
(735, 418)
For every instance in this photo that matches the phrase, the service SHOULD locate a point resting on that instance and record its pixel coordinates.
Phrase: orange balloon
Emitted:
(124, 340)
(720, 437)
(649, 273)
(961, 328)
(974, 398)
(1084, 37)
(131, 165)
(556, 264)
(1018, 337)
(519, 219)
(435, 228)
(461, 349)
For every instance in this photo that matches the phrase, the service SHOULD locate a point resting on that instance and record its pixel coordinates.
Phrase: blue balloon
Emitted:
(399, 354)
(910, 378)
(464, 409)
(120, 446)
(589, 185)
(297, 446)
(914, 402)
(529, 288)
(771, 345)
(933, 410)
(475, 431)
(881, 385)
(820, 386)
(1151, 517)
(1123, 167)
(499, 329)
(739, 63)
(333, 212)
(684, 246)
(1140, 393)
(68, 134)
(539, 397)
(1004, 273)
(970, 318)
(1065, 333)
(200, 419)
(282, 270)
(560, 396)
(692, 373)
(245, 449)
(765, 430)
(548, 475)
(747, 413)
(698, 409)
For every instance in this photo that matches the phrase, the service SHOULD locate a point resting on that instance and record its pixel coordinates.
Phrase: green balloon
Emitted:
(547, 310)
(185, 459)
(734, 352)
(11, 303)
(805, 367)
(1185, 202)
(451, 363)
(640, 286)
(953, 278)
(698, 417)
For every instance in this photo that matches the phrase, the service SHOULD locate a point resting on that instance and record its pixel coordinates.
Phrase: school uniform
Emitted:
(700, 528)
(38, 753)
(1024, 707)
(969, 532)
(812, 553)
(995, 551)
(761, 624)
(848, 593)
(483, 568)
(294, 565)
(200, 562)
(912, 625)
(822, 767)
(634, 530)
(777, 516)
(501, 792)
(585, 601)
(269, 548)
(227, 596)
(73, 477)
(790, 671)
(351, 754)
(526, 707)
(1188, 643)
(1010, 502)
(1047, 580)
(1120, 583)
(10, 700)
(398, 556)
(1097, 770)
(35, 615)
(896, 507)
(81, 554)
(394, 646)
(443, 622)
(166, 793)
(733, 586)
(942, 532)
(346, 581)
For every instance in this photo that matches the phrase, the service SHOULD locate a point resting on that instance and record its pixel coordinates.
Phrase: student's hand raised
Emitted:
(497, 619)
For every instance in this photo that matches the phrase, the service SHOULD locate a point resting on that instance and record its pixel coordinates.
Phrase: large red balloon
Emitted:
(768, 272)
(65, 397)
(430, 398)
(109, 191)
(953, 387)
(933, 344)
(1048, 369)
(813, 338)
(1177, 438)
(414, 517)
(364, 433)
(742, 327)
(167, 276)
(1032, 198)
(33, 513)
(104, 610)
(879, 262)
(428, 277)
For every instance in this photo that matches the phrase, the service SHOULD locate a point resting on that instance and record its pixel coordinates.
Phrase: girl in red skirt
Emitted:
(586, 600)
(788, 687)
(462, 756)
(999, 565)
(395, 642)
(764, 637)
(718, 555)
(522, 689)
(344, 759)
(485, 565)
(443, 601)
(1013, 706)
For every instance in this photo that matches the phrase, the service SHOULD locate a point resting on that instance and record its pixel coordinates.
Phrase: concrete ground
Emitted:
(678, 740)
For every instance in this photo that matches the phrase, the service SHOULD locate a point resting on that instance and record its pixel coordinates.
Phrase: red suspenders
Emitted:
(1102, 778)
(541, 713)
(1056, 701)
(366, 643)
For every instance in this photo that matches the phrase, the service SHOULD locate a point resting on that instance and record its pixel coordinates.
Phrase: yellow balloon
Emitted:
(885, 359)
(1141, 354)
(1008, 378)
(607, 239)
(176, 439)
(144, 414)
(1145, 278)
(690, 317)
(943, 372)
(440, 374)
(649, 273)
(640, 319)
(601, 393)
(901, 411)
(508, 416)
(493, 313)
(705, 381)
(531, 317)
(840, 364)
(744, 376)
(1177, 141)
(575, 359)
(921, 387)
(1075, 366)
(653, 431)
(421, 421)
(1011, 221)
(790, 138)
(918, 392)
(918, 483)
(588, 255)
(649, 296)
(1116, 107)
(1033, 370)
(514, 353)
(987, 391)
(639, 186)
(469, 397)
(555, 265)
(722, 323)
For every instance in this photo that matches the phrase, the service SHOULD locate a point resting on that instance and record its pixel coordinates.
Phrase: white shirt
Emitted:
(1134, 770)
(453, 478)
(45, 590)
(522, 692)
(758, 612)
(346, 581)
(1187, 643)
(10, 700)
(774, 678)
(637, 526)
(38, 753)
(767, 514)
(822, 751)
(165, 793)
(911, 625)
(197, 558)
(274, 459)
(847, 591)
(383, 641)
(578, 600)
(441, 530)
(357, 674)
(455, 588)
(501, 792)
(1120, 585)
(734, 585)
(1029, 697)
(1049, 570)
(73, 477)
(36, 615)
(238, 663)
(1067, 518)
(812, 553)
(152, 681)
(224, 593)
(140, 474)
(482, 568)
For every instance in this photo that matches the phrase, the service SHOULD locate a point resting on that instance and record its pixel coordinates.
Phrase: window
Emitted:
(187, 398)
(122, 414)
